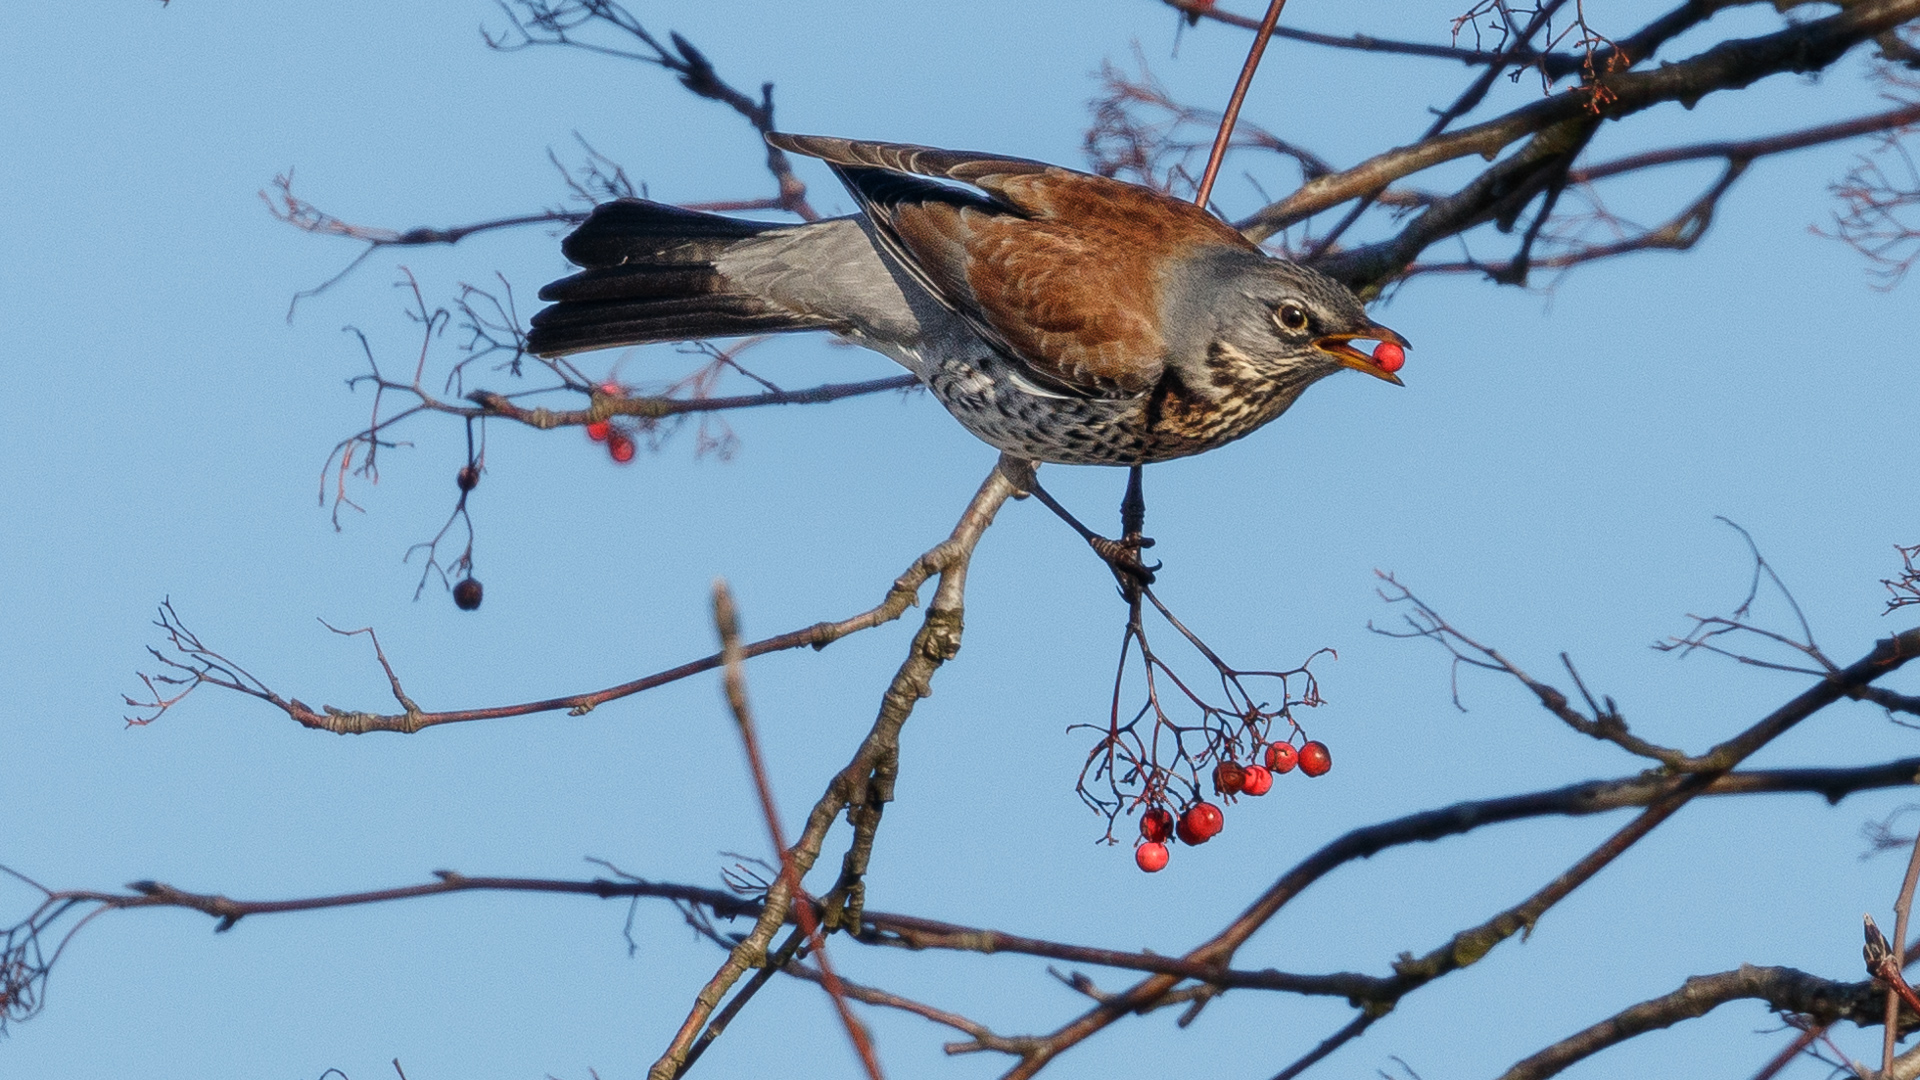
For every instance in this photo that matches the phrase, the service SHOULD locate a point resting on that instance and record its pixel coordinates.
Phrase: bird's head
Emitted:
(1285, 320)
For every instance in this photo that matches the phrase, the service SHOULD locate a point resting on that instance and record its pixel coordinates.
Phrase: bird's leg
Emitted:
(1122, 556)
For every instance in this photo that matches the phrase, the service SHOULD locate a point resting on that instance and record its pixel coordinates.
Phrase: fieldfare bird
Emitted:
(1059, 316)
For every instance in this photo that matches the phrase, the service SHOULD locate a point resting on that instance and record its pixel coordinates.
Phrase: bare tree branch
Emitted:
(559, 23)
(1555, 65)
(1469, 946)
(1780, 987)
(1557, 128)
(920, 933)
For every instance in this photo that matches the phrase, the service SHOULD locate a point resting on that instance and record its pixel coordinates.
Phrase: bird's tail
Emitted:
(650, 274)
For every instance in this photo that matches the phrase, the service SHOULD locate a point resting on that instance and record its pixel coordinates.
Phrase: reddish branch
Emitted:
(1880, 210)
(656, 408)
(1905, 588)
(1238, 98)
(786, 898)
(1139, 132)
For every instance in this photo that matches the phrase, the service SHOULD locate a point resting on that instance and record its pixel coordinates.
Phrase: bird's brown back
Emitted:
(1062, 268)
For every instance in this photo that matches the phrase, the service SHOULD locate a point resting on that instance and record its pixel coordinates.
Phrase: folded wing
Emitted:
(1061, 270)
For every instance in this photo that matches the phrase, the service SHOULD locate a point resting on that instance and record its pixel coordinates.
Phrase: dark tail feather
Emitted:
(649, 276)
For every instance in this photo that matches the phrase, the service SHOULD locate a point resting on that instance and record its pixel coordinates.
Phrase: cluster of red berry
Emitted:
(619, 444)
(1202, 821)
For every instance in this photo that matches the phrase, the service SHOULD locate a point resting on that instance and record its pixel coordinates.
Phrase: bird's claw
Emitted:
(1123, 558)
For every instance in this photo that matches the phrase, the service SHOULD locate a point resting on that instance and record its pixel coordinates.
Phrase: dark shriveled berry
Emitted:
(1156, 825)
(468, 478)
(466, 594)
(1228, 776)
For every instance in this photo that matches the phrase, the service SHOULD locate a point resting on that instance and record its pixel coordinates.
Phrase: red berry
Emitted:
(1282, 757)
(1151, 856)
(466, 594)
(1200, 823)
(1156, 825)
(468, 478)
(613, 389)
(620, 447)
(599, 430)
(1258, 781)
(1389, 356)
(1314, 759)
(1211, 816)
(1228, 777)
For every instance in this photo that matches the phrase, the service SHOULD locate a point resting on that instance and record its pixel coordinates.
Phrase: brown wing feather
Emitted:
(1064, 271)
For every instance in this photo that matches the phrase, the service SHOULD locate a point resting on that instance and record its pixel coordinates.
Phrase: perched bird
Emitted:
(1061, 317)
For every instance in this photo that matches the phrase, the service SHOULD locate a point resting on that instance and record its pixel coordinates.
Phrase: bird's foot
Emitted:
(1122, 556)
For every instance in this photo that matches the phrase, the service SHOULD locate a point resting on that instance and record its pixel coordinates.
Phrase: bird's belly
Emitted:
(991, 399)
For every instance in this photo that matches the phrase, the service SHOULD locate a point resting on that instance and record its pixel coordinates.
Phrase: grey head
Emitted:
(1272, 319)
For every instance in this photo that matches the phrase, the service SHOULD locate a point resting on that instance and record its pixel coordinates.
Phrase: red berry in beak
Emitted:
(1389, 356)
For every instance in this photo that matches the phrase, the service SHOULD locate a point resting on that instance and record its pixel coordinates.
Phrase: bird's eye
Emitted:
(1292, 317)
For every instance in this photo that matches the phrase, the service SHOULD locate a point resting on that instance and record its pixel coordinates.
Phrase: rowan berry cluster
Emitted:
(1201, 820)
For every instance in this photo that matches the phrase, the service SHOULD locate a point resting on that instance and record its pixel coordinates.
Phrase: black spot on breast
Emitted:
(1229, 373)
(1170, 389)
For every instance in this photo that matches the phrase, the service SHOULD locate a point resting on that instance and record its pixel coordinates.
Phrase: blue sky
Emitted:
(1548, 479)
